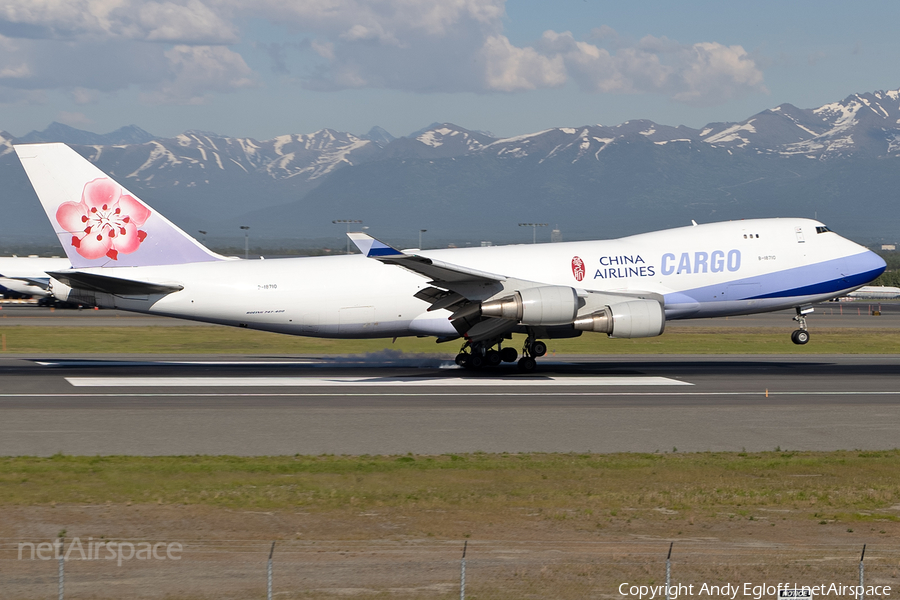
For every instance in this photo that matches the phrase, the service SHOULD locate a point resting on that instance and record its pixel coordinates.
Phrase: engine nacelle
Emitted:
(64, 293)
(632, 319)
(549, 305)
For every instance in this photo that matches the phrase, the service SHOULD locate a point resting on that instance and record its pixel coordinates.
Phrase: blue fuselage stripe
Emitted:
(831, 276)
(826, 287)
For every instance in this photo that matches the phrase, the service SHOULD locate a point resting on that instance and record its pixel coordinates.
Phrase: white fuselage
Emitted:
(718, 269)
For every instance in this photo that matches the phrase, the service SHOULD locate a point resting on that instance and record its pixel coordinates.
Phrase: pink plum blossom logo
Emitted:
(577, 268)
(105, 222)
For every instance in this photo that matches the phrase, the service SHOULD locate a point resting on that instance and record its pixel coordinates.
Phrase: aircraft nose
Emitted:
(865, 266)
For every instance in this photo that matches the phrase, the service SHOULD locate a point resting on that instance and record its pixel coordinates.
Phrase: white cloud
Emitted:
(510, 69)
(702, 73)
(174, 51)
(713, 73)
(82, 95)
(197, 71)
(15, 71)
(404, 44)
(183, 50)
(75, 119)
(188, 21)
(384, 20)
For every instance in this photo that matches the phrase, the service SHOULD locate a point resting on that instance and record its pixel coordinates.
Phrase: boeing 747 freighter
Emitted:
(125, 255)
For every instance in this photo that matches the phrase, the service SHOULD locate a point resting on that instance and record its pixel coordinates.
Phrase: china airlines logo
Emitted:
(105, 222)
(577, 268)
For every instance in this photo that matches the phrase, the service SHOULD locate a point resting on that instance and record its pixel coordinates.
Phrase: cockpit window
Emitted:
(822, 229)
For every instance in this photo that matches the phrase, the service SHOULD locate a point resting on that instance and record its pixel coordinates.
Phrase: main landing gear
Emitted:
(531, 350)
(484, 354)
(801, 336)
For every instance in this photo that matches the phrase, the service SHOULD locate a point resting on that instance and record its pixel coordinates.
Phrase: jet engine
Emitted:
(64, 293)
(549, 305)
(631, 319)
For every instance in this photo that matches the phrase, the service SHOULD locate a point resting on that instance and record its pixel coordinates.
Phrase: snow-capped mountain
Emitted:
(862, 124)
(198, 177)
(58, 132)
(640, 174)
(867, 124)
(587, 142)
(6, 143)
(380, 136)
(197, 158)
(438, 140)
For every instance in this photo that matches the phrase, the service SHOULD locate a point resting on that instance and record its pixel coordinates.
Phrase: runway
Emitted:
(382, 404)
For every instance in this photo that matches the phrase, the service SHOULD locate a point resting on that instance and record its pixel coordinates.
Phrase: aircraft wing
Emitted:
(454, 285)
(455, 288)
(111, 285)
(435, 270)
(41, 282)
(29, 286)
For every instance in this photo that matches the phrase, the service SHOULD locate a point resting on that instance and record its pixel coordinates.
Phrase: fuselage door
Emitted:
(799, 231)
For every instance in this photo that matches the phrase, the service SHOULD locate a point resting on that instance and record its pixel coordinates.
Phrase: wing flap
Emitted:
(439, 298)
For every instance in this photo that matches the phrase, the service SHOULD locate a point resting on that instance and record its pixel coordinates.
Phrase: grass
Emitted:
(542, 525)
(845, 485)
(23, 339)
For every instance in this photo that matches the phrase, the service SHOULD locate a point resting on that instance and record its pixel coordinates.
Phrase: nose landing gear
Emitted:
(801, 336)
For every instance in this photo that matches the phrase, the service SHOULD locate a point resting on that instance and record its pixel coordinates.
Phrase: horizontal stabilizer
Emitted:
(111, 285)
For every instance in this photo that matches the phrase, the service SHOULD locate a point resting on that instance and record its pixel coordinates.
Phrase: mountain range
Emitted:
(837, 162)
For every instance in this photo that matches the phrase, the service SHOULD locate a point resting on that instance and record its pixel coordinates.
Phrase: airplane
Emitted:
(27, 275)
(125, 255)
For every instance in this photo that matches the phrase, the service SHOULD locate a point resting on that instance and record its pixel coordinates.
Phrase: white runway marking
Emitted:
(524, 381)
(147, 363)
(410, 394)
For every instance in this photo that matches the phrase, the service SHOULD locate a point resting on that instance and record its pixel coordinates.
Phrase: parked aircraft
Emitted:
(126, 255)
(27, 275)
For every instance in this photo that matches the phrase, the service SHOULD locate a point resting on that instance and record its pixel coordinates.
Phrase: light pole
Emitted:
(534, 227)
(421, 231)
(246, 241)
(348, 222)
(203, 233)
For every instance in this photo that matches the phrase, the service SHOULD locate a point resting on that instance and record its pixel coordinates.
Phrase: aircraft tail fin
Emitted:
(99, 222)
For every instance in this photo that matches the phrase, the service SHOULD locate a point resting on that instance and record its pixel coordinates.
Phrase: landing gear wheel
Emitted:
(800, 337)
(538, 349)
(461, 359)
(509, 355)
(527, 364)
(493, 358)
(476, 361)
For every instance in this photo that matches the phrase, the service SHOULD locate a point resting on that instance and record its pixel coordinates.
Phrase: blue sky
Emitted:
(263, 68)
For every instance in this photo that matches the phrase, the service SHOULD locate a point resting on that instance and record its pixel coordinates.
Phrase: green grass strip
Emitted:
(814, 483)
(225, 340)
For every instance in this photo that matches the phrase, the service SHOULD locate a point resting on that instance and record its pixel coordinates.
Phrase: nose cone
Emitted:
(865, 267)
